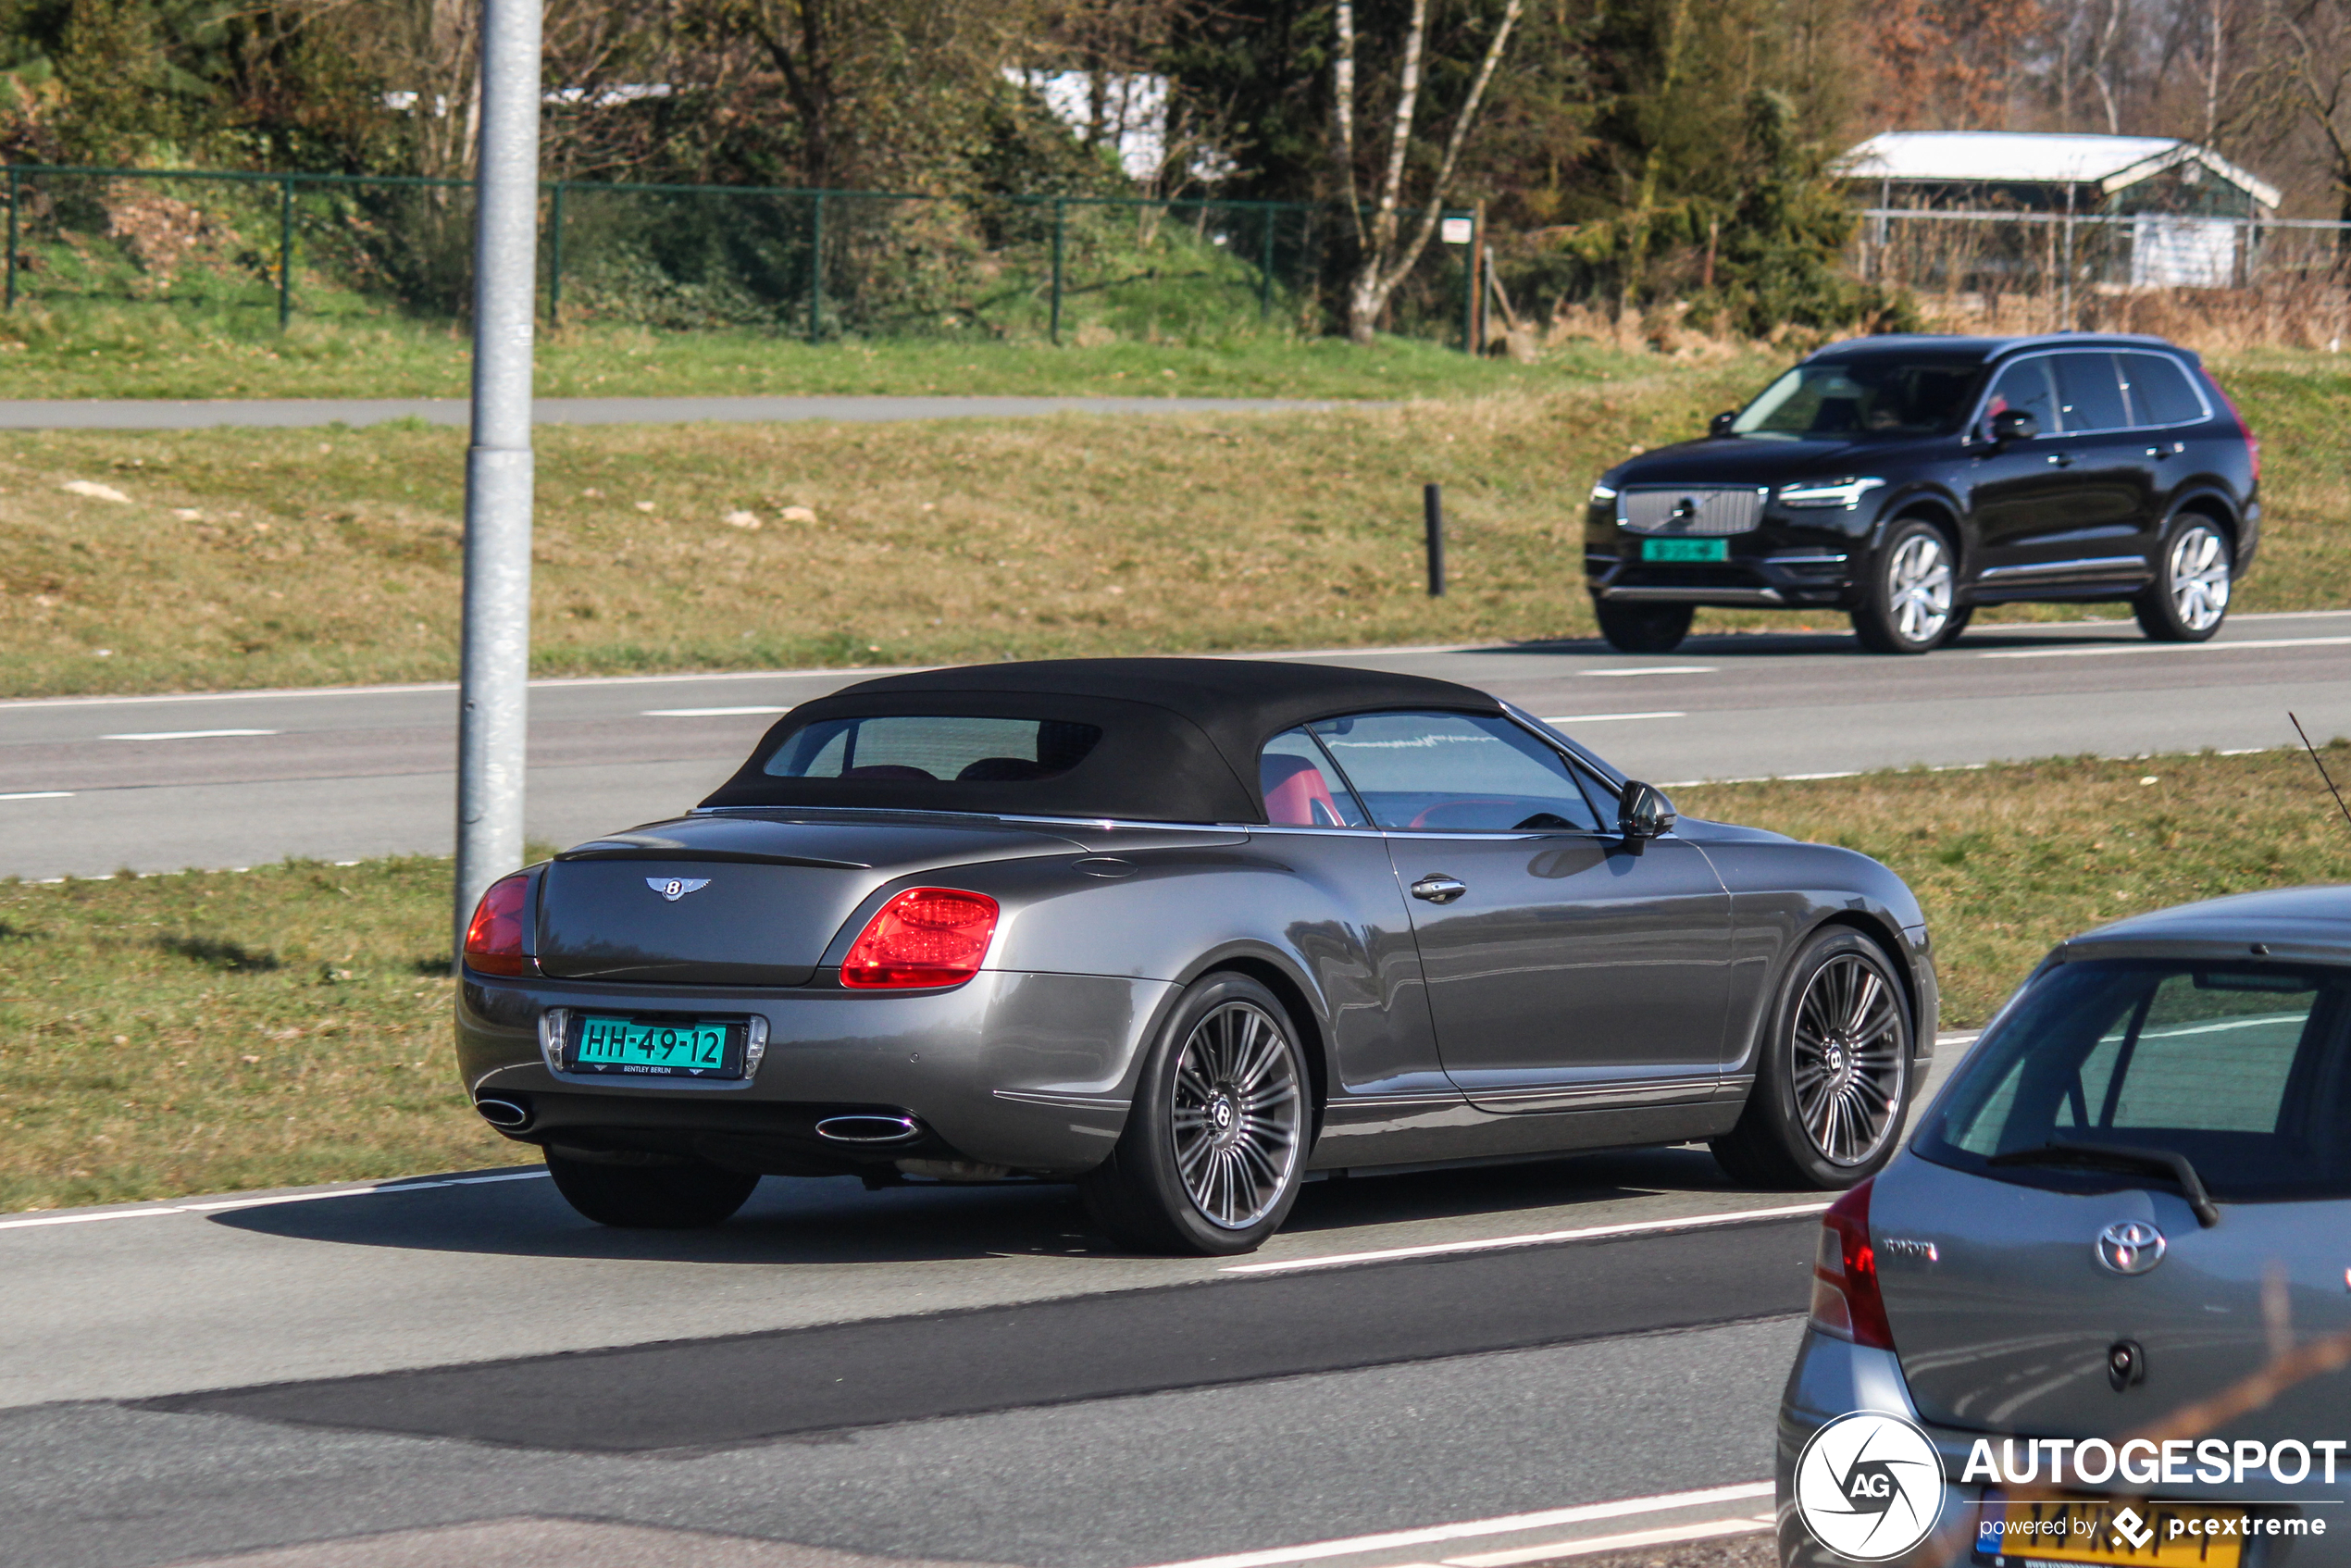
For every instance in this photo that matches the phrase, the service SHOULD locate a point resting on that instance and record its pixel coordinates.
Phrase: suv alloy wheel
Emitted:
(2190, 595)
(1905, 599)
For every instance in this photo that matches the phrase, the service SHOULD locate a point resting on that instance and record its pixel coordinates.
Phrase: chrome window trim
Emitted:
(1998, 366)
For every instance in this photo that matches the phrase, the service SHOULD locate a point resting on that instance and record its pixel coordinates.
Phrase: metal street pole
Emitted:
(495, 681)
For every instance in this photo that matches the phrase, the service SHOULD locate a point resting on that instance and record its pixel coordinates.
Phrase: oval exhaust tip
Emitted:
(869, 1129)
(503, 1114)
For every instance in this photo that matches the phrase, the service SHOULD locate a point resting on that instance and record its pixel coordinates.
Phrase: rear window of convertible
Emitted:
(910, 748)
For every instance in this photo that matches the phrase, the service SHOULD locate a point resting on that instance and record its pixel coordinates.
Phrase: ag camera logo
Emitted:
(1869, 1487)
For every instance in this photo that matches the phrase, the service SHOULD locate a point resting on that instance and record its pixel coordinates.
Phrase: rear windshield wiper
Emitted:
(2167, 1163)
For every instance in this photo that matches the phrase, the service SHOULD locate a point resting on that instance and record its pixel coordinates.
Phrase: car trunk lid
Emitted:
(743, 898)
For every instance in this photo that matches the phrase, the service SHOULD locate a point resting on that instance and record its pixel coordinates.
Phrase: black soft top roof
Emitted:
(1180, 737)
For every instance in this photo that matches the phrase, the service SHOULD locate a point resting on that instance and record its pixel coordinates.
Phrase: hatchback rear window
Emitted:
(2243, 1069)
(917, 749)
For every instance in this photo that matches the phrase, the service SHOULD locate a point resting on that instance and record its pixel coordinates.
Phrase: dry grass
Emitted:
(260, 558)
(215, 1030)
(2008, 861)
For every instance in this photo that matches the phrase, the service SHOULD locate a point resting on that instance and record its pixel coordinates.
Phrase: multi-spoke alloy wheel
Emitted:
(2190, 595)
(2200, 577)
(1832, 1070)
(1906, 604)
(1918, 586)
(1236, 1114)
(1848, 1045)
(1216, 1140)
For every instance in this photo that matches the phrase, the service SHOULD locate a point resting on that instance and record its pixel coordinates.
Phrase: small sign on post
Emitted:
(1458, 230)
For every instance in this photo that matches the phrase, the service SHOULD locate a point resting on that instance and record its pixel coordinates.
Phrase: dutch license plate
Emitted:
(631, 1048)
(2022, 1529)
(1685, 549)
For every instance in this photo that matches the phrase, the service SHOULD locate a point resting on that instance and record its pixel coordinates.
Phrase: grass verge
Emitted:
(101, 351)
(209, 560)
(209, 1031)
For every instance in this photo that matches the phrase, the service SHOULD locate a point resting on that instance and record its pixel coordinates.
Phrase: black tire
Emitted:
(1905, 604)
(2189, 598)
(1643, 628)
(1186, 1178)
(1775, 1144)
(1958, 624)
(671, 1195)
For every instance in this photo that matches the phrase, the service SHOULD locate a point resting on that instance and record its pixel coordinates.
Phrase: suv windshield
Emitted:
(2242, 1068)
(1865, 394)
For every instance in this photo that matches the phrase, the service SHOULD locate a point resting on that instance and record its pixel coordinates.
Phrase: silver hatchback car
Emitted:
(2106, 1290)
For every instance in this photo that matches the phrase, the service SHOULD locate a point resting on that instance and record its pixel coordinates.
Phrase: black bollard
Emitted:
(1433, 510)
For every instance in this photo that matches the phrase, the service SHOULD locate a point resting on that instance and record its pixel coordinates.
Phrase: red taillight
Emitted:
(924, 936)
(1845, 1301)
(2252, 442)
(494, 939)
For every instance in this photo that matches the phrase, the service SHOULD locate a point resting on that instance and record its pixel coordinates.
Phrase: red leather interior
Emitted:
(1295, 796)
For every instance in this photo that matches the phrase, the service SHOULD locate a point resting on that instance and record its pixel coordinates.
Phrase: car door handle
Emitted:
(1440, 890)
(2060, 460)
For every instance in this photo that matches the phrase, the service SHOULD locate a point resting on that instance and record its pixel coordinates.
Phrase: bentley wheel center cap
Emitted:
(1220, 1114)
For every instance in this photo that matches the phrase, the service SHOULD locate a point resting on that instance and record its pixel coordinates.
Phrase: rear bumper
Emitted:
(1032, 1072)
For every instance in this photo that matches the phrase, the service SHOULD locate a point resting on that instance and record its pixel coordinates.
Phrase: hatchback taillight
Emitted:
(924, 936)
(493, 938)
(1846, 1301)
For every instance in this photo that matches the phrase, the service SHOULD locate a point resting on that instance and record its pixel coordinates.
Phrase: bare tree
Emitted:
(1385, 256)
(2306, 80)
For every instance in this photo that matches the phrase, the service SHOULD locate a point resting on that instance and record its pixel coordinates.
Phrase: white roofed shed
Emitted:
(2031, 172)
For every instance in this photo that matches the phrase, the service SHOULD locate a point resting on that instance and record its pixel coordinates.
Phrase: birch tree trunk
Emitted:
(1384, 253)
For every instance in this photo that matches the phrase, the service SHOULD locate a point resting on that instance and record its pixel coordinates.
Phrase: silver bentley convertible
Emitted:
(1182, 932)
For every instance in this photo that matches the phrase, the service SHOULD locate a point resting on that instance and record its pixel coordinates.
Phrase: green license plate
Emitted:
(1685, 549)
(626, 1046)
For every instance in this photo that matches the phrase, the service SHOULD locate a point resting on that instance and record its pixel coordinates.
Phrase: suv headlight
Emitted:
(1846, 493)
(1603, 494)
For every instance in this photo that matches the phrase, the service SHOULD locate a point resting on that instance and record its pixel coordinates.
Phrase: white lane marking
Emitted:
(1473, 1528)
(1537, 1238)
(1710, 1530)
(1654, 669)
(155, 1211)
(39, 795)
(1603, 719)
(2164, 648)
(184, 734)
(708, 713)
(1768, 778)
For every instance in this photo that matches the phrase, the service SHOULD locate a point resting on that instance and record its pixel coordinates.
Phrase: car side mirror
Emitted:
(2014, 424)
(1721, 424)
(1643, 812)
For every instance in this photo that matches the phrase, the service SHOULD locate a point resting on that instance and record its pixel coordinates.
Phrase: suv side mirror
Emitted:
(1643, 812)
(2014, 424)
(1721, 424)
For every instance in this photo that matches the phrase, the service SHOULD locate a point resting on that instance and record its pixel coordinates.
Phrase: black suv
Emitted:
(1908, 479)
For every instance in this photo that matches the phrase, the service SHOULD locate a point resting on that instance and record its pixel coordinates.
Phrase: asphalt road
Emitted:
(1474, 1367)
(102, 414)
(89, 786)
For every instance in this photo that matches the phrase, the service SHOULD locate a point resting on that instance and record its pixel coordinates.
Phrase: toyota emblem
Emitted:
(2131, 1247)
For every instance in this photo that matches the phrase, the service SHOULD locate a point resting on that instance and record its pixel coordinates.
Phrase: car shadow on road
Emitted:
(1824, 642)
(804, 1222)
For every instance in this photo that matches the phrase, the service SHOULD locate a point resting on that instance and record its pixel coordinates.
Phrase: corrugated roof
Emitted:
(2110, 163)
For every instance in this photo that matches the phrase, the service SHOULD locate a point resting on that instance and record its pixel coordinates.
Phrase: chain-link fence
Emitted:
(2216, 278)
(818, 264)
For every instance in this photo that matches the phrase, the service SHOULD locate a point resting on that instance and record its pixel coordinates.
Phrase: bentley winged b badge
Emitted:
(674, 888)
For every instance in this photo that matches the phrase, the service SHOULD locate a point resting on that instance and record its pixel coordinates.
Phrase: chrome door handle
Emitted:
(1440, 890)
(2060, 460)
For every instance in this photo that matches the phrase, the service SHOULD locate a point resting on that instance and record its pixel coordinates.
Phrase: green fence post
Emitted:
(816, 271)
(1265, 263)
(1056, 329)
(285, 253)
(12, 237)
(556, 259)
